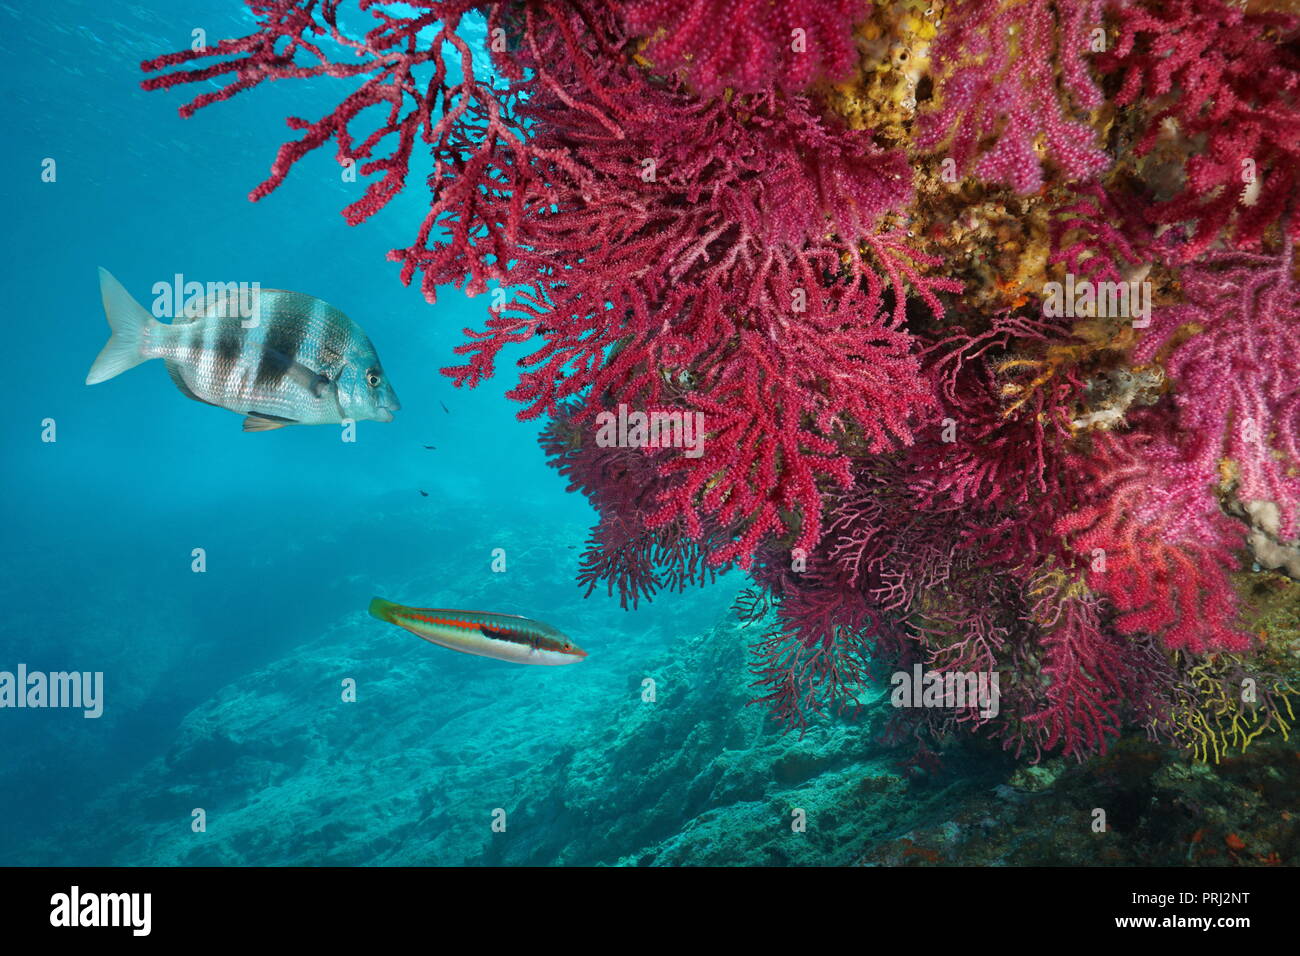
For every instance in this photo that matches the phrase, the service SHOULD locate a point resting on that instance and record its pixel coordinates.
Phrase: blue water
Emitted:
(299, 528)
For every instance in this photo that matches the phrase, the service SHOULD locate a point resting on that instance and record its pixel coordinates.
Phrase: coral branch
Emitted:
(998, 65)
(749, 45)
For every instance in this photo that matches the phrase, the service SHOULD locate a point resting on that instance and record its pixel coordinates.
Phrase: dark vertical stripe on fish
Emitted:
(280, 350)
(230, 342)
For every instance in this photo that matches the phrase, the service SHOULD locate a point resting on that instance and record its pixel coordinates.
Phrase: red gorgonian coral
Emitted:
(997, 453)
(748, 45)
(385, 63)
(1087, 672)
(1155, 541)
(720, 258)
(623, 553)
(998, 66)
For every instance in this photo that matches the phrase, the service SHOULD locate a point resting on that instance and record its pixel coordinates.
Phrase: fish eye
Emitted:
(372, 378)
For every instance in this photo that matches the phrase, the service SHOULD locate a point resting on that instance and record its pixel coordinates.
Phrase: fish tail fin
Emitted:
(383, 609)
(130, 324)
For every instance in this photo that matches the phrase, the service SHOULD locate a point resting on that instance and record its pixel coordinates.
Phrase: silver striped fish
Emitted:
(300, 362)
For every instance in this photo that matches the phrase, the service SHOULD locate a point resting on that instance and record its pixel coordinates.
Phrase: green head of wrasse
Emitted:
(383, 609)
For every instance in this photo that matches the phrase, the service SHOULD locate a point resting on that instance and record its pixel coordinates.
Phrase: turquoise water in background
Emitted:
(223, 688)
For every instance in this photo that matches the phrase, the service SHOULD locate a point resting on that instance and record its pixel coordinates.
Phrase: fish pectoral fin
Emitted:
(178, 378)
(257, 422)
(313, 382)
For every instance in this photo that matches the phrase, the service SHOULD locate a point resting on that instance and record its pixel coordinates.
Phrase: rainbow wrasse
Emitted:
(503, 636)
(280, 358)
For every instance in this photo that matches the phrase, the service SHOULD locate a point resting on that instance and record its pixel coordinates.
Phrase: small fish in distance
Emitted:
(430, 447)
(300, 361)
(423, 493)
(505, 637)
(444, 407)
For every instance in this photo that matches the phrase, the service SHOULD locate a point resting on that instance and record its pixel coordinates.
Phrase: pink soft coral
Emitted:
(749, 45)
(1231, 353)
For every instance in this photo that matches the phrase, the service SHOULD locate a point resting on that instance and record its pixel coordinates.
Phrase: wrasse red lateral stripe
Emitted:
(445, 621)
(505, 637)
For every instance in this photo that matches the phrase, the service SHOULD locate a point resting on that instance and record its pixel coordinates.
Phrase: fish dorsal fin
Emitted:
(258, 422)
(174, 370)
(224, 304)
(212, 306)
